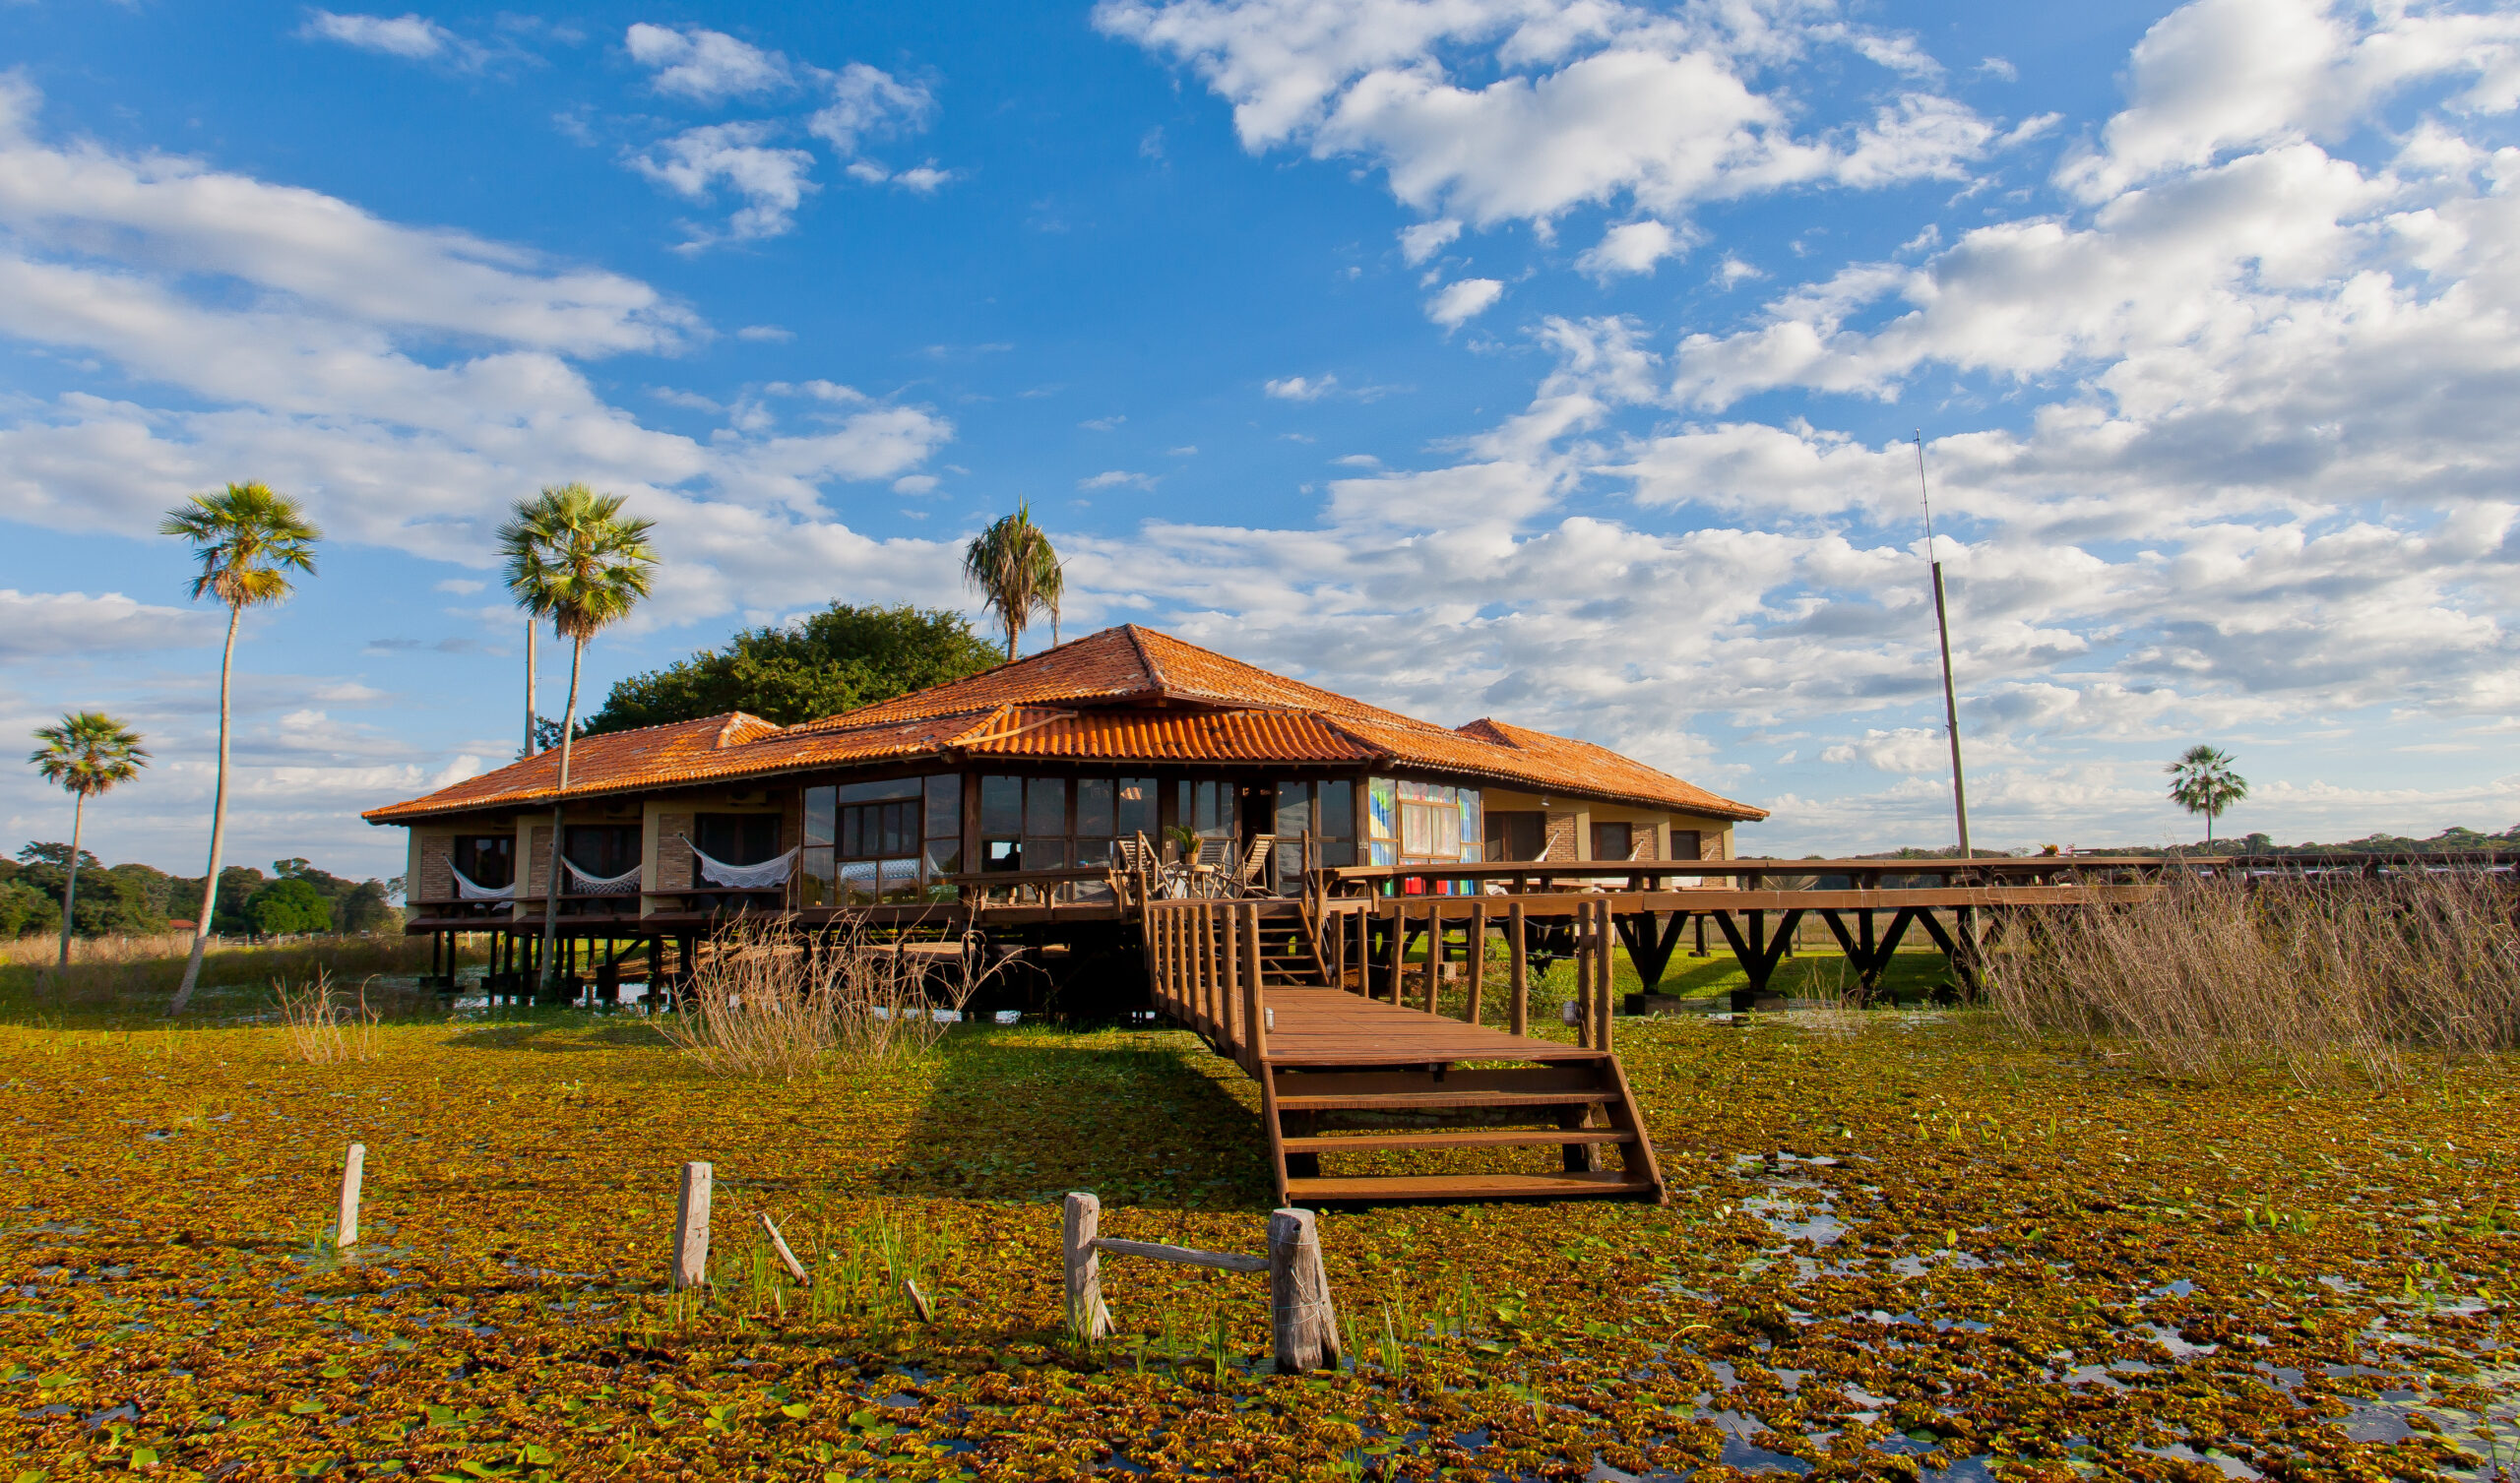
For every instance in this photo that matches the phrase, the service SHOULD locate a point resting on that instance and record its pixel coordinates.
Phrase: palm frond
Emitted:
(89, 753)
(247, 539)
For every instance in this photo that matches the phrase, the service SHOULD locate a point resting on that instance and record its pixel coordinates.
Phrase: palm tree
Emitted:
(1016, 570)
(572, 558)
(89, 753)
(2202, 782)
(249, 540)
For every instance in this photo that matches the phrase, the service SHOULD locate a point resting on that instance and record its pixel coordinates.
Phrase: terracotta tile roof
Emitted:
(1118, 666)
(1125, 693)
(1130, 734)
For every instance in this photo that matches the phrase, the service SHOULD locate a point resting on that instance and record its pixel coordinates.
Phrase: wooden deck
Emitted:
(1326, 1027)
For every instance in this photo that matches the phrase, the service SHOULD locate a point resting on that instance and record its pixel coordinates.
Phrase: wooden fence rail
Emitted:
(1203, 962)
(1303, 1327)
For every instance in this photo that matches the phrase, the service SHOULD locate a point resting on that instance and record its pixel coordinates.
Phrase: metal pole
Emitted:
(1942, 633)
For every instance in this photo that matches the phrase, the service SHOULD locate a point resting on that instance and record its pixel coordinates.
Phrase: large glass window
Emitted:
(864, 840)
(1613, 841)
(1327, 811)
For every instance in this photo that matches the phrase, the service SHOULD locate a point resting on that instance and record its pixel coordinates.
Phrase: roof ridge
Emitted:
(1146, 658)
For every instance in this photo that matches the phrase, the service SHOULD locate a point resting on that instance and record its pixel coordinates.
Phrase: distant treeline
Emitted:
(2453, 839)
(133, 900)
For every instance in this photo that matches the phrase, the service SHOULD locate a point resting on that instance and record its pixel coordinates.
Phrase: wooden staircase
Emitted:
(1369, 1101)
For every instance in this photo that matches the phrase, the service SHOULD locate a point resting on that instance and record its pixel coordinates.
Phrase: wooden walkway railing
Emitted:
(1203, 962)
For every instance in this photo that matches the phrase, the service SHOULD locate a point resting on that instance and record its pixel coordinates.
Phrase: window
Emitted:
(1205, 807)
(1517, 834)
(737, 838)
(1059, 822)
(485, 859)
(600, 850)
(1612, 841)
(886, 840)
(1686, 846)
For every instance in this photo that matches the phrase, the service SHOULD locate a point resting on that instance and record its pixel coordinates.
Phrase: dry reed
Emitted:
(760, 1004)
(323, 1027)
(140, 973)
(2309, 974)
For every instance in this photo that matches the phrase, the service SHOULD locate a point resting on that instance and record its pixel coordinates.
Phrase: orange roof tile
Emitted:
(1105, 697)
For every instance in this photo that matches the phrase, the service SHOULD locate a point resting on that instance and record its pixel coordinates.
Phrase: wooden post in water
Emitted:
(354, 1169)
(786, 1257)
(1518, 985)
(691, 1228)
(1081, 1222)
(1303, 1328)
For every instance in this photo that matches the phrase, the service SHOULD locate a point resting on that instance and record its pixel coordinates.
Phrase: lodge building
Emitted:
(1006, 798)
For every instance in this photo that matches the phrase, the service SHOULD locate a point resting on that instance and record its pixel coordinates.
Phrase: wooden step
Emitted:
(1478, 1137)
(1436, 1098)
(1294, 1081)
(1467, 1187)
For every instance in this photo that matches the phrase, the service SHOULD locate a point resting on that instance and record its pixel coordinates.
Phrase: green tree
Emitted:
(24, 910)
(573, 558)
(838, 659)
(247, 539)
(2202, 782)
(88, 754)
(287, 906)
(1018, 572)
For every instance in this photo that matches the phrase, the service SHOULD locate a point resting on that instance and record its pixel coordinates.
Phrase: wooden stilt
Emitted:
(1471, 1013)
(1256, 1013)
(1398, 946)
(1435, 952)
(1606, 966)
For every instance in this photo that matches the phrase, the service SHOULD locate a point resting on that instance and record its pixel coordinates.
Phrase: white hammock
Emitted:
(621, 885)
(716, 871)
(469, 889)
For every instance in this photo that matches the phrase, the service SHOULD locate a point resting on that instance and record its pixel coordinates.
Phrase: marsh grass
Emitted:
(323, 1023)
(2315, 976)
(760, 1004)
(139, 974)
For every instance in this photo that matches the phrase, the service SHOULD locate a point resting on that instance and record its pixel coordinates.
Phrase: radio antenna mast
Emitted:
(1942, 632)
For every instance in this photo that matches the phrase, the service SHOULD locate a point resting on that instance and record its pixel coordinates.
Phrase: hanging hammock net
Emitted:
(761, 877)
(469, 889)
(625, 884)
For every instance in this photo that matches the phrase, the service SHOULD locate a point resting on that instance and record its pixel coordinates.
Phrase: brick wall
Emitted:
(438, 874)
(673, 857)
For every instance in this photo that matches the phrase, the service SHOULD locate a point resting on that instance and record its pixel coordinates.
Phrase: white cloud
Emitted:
(461, 587)
(1117, 478)
(45, 626)
(1598, 101)
(172, 213)
(1458, 303)
(1422, 241)
(414, 37)
(1300, 388)
(766, 334)
(870, 102)
(772, 181)
(914, 483)
(706, 66)
(1633, 247)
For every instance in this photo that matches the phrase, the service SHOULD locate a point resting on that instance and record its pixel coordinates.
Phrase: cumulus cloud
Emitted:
(37, 626)
(1598, 103)
(1117, 478)
(868, 102)
(772, 181)
(1633, 247)
(1460, 302)
(706, 66)
(415, 37)
(1300, 388)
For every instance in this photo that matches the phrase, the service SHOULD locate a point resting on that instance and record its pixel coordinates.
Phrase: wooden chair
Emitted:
(1251, 877)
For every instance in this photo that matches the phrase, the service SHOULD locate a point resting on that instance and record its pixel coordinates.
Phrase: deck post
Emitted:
(1518, 1008)
(1397, 950)
(1366, 953)
(1081, 1222)
(1435, 952)
(1472, 1012)
(1583, 926)
(1255, 1014)
(1203, 957)
(1606, 934)
(1230, 979)
(1700, 922)
(1303, 1327)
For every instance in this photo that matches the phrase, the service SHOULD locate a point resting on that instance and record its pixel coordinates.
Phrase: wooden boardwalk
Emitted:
(1362, 1082)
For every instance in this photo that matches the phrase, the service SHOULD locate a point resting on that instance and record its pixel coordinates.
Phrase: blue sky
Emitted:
(1545, 358)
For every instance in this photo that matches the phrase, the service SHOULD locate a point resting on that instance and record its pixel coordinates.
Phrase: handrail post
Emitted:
(1255, 1015)
(1398, 946)
(1472, 1013)
(1229, 944)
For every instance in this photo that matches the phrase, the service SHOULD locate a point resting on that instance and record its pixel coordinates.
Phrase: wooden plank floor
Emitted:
(1318, 1027)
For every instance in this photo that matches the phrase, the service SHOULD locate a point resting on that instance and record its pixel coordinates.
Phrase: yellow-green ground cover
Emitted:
(1898, 1245)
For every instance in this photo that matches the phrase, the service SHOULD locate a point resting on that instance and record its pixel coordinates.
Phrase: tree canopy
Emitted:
(288, 906)
(838, 659)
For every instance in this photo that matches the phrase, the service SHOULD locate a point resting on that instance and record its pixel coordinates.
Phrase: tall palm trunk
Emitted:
(217, 822)
(551, 891)
(70, 894)
(529, 686)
